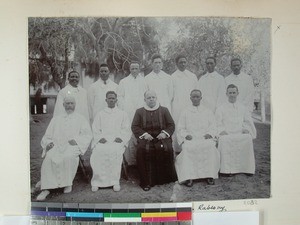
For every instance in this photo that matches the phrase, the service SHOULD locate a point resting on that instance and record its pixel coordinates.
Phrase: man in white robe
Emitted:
(199, 157)
(236, 131)
(130, 92)
(184, 82)
(79, 93)
(212, 86)
(67, 136)
(111, 131)
(160, 82)
(244, 83)
(98, 90)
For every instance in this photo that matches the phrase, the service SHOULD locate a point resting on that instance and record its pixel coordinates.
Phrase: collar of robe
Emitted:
(152, 109)
(110, 110)
(195, 108)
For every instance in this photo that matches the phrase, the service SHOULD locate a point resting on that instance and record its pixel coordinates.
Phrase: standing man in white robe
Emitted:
(236, 131)
(244, 83)
(111, 131)
(212, 86)
(130, 92)
(79, 93)
(160, 82)
(199, 157)
(97, 92)
(67, 136)
(184, 82)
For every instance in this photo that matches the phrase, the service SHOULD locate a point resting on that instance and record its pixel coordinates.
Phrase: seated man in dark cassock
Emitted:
(153, 127)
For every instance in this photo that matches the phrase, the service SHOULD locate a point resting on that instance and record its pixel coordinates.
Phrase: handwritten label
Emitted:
(214, 208)
(250, 202)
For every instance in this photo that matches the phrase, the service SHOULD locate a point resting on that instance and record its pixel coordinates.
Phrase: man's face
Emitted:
(134, 69)
(69, 105)
(73, 79)
(181, 64)
(196, 98)
(111, 100)
(236, 67)
(150, 99)
(157, 65)
(232, 94)
(210, 65)
(104, 73)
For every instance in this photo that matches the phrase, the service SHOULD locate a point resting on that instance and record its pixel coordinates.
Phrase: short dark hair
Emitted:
(134, 62)
(103, 65)
(156, 56)
(211, 57)
(180, 56)
(111, 92)
(73, 71)
(196, 90)
(235, 59)
(232, 86)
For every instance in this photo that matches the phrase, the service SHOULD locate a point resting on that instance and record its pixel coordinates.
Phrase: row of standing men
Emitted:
(173, 92)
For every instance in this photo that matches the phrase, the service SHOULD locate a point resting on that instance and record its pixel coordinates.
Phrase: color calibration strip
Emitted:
(112, 213)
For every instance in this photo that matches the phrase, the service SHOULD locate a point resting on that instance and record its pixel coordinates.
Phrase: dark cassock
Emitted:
(155, 157)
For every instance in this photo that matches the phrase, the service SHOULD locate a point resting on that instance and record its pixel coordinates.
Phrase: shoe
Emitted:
(210, 181)
(188, 183)
(94, 188)
(67, 189)
(147, 188)
(117, 187)
(42, 196)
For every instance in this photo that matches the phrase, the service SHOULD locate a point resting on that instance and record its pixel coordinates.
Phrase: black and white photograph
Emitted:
(149, 109)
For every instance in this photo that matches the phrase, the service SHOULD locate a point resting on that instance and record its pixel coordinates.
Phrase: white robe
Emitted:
(183, 83)
(237, 155)
(80, 95)
(106, 159)
(96, 96)
(60, 164)
(199, 157)
(131, 94)
(161, 83)
(212, 86)
(245, 85)
(130, 98)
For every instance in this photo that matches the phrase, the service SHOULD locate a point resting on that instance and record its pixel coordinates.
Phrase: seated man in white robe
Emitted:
(199, 157)
(236, 131)
(111, 130)
(67, 136)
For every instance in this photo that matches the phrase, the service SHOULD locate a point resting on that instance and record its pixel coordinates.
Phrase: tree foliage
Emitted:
(57, 45)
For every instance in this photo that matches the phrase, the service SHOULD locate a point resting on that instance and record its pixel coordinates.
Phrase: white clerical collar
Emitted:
(68, 115)
(236, 76)
(73, 88)
(151, 109)
(195, 108)
(212, 73)
(110, 110)
(182, 72)
(102, 81)
(134, 76)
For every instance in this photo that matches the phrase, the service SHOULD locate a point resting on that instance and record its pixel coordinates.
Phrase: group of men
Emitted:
(207, 123)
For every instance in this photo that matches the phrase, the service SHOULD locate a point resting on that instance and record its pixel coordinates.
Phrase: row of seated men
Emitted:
(173, 92)
(69, 135)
